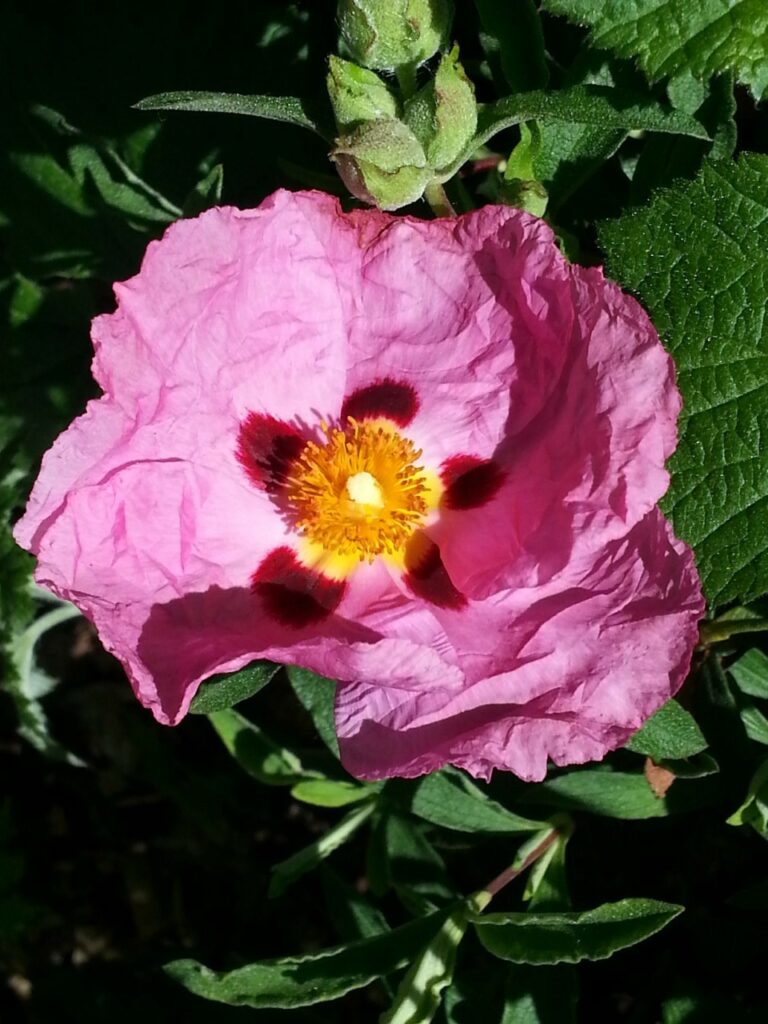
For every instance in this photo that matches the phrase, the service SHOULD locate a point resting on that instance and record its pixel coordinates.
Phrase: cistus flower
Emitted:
(419, 457)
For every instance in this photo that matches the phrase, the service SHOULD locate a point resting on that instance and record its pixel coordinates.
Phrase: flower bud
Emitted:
(388, 34)
(383, 163)
(443, 115)
(358, 95)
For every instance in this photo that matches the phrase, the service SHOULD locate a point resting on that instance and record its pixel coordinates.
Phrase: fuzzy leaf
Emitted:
(695, 255)
(221, 692)
(273, 108)
(705, 37)
(670, 733)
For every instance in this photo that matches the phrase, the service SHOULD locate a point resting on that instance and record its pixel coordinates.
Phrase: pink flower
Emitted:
(422, 458)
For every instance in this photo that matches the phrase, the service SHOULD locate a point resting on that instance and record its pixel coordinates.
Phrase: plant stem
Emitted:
(724, 629)
(514, 870)
(435, 195)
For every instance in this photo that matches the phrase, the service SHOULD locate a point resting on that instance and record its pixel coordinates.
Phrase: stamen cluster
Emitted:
(326, 511)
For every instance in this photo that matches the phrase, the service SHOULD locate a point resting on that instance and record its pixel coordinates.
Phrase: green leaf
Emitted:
(666, 37)
(754, 810)
(221, 692)
(514, 32)
(597, 105)
(613, 794)
(305, 980)
(448, 799)
(401, 857)
(206, 193)
(290, 109)
(317, 695)
(27, 683)
(352, 915)
(547, 886)
(670, 733)
(541, 995)
(256, 752)
(288, 871)
(571, 937)
(755, 723)
(751, 673)
(420, 992)
(331, 792)
(695, 256)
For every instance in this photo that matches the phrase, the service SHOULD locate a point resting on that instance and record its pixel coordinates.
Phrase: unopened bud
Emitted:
(383, 163)
(443, 115)
(358, 95)
(388, 34)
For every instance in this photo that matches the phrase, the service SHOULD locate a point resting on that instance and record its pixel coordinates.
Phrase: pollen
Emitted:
(361, 492)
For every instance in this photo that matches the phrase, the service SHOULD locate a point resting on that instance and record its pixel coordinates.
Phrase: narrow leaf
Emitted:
(331, 792)
(571, 937)
(290, 109)
(254, 751)
(447, 799)
(303, 981)
(418, 997)
(288, 871)
(317, 695)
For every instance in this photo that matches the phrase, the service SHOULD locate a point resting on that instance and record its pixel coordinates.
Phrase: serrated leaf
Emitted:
(256, 752)
(290, 870)
(751, 673)
(671, 733)
(445, 799)
(223, 691)
(305, 980)
(706, 37)
(289, 109)
(600, 106)
(696, 257)
(571, 937)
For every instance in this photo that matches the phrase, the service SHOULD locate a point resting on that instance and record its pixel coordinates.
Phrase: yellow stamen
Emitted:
(361, 493)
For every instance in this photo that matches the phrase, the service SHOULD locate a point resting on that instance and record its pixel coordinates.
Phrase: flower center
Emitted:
(360, 493)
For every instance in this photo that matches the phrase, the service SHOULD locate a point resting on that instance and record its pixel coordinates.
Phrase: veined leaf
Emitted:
(705, 37)
(256, 752)
(695, 255)
(445, 798)
(751, 673)
(671, 733)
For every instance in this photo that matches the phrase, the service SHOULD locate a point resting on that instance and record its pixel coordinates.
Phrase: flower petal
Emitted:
(564, 672)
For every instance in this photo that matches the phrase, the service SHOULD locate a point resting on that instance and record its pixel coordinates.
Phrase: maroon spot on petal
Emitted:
(469, 481)
(266, 449)
(427, 577)
(293, 594)
(391, 398)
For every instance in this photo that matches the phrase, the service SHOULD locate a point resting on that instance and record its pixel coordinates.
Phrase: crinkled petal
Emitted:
(548, 674)
(582, 466)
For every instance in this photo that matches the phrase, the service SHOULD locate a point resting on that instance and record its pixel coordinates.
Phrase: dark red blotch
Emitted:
(390, 398)
(428, 578)
(470, 481)
(294, 595)
(267, 448)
